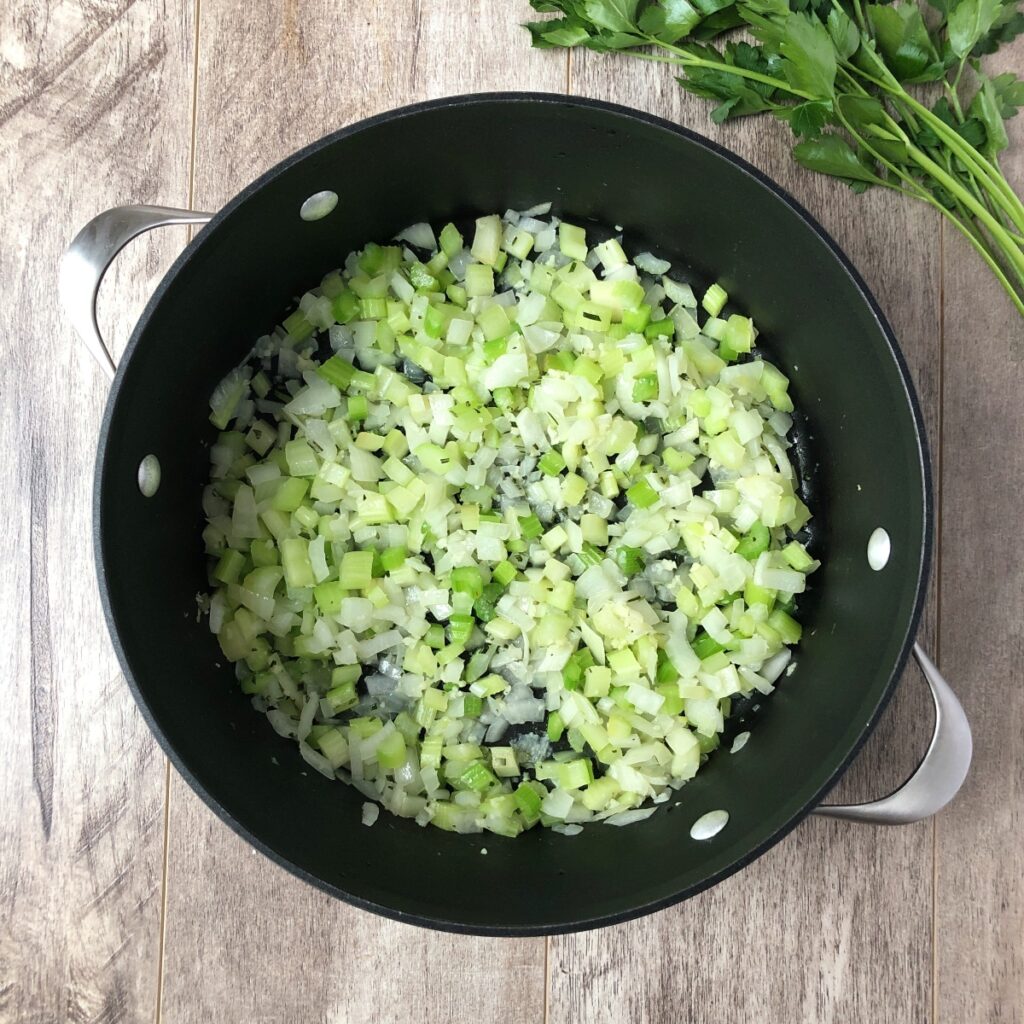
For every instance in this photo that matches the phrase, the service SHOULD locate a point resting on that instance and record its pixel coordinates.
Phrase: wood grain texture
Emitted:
(246, 941)
(980, 858)
(94, 101)
(834, 924)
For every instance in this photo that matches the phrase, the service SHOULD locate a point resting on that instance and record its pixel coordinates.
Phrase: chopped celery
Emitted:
(355, 571)
(495, 347)
(373, 309)
(530, 527)
(572, 240)
(555, 727)
(345, 307)
(551, 462)
(533, 488)
(714, 300)
(393, 558)
(786, 626)
(337, 371)
(528, 800)
(460, 628)
(660, 329)
(796, 555)
(756, 540)
(479, 280)
(229, 566)
(391, 751)
(487, 241)
(297, 326)
(704, 646)
(642, 494)
(477, 777)
(645, 387)
(575, 774)
(298, 570)
(504, 573)
(504, 762)
(450, 239)
(329, 596)
(483, 606)
(636, 320)
(358, 408)
(629, 559)
(468, 580)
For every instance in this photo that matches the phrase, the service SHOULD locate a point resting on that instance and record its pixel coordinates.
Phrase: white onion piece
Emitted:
(707, 826)
(421, 235)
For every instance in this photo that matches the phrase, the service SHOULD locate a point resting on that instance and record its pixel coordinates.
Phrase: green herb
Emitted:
(876, 94)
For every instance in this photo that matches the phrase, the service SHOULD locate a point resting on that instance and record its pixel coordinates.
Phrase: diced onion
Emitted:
(507, 555)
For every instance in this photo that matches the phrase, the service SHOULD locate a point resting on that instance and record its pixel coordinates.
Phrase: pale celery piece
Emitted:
(500, 527)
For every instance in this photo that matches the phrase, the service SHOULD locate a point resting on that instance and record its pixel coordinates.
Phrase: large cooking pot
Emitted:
(862, 452)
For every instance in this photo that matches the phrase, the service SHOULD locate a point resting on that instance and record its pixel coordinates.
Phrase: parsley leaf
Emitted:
(833, 155)
(809, 57)
(1008, 25)
(844, 33)
(613, 15)
(904, 42)
(968, 22)
(1009, 92)
(739, 96)
(670, 20)
(809, 118)
(987, 108)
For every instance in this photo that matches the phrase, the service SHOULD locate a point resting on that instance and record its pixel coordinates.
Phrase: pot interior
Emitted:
(862, 456)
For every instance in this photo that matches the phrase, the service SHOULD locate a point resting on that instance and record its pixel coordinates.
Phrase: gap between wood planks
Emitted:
(939, 491)
(194, 119)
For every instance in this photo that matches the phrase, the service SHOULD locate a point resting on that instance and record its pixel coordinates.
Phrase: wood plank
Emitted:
(94, 111)
(980, 900)
(833, 924)
(245, 940)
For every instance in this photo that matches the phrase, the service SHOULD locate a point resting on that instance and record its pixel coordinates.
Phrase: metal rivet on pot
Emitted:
(879, 549)
(318, 205)
(707, 826)
(149, 476)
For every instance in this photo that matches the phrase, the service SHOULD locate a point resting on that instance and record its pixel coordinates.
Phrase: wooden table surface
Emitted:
(122, 898)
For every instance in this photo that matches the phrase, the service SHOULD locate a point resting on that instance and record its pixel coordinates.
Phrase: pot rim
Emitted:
(924, 563)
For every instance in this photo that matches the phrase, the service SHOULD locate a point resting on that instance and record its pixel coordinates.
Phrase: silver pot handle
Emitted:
(91, 253)
(938, 777)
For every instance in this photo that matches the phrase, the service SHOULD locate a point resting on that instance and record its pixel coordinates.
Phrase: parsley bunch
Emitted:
(878, 94)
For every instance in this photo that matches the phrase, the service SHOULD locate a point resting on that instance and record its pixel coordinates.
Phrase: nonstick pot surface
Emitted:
(691, 201)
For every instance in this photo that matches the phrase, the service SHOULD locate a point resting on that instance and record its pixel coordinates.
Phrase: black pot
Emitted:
(863, 455)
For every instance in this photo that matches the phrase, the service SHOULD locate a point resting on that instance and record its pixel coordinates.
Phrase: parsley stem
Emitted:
(971, 158)
(687, 60)
(964, 225)
(952, 93)
(916, 190)
(998, 232)
(981, 193)
(986, 197)
(954, 100)
(991, 177)
(971, 233)
(861, 21)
